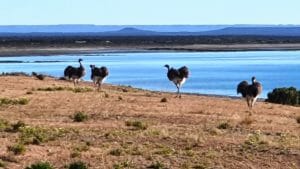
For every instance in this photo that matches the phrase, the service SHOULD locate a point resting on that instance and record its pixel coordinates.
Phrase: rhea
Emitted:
(74, 73)
(98, 75)
(250, 91)
(178, 77)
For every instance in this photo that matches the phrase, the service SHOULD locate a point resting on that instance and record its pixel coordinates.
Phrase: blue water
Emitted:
(211, 72)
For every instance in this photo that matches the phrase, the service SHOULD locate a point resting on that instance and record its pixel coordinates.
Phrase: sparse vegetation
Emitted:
(38, 135)
(17, 149)
(289, 96)
(78, 165)
(40, 165)
(139, 132)
(7, 101)
(14, 74)
(80, 116)
(60, 88)
(137, 125)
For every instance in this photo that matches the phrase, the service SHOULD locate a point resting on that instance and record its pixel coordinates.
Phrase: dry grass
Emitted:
(131, 128)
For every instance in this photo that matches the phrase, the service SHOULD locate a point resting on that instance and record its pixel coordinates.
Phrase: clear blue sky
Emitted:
(147, 12)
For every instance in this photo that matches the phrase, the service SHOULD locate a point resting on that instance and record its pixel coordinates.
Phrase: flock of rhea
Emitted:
(178, 76)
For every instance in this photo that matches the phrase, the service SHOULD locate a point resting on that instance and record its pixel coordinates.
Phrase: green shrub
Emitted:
(80, 117)
(137, 125)
(78, 165)
(289, 96)
(40, 165)
(17, 149)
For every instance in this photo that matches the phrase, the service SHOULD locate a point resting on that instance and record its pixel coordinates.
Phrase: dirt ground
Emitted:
(133, 128)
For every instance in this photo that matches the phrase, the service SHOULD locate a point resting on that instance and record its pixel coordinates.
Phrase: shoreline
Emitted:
(74, 50)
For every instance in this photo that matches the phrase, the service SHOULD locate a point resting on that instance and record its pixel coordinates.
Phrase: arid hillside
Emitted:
(122, 127)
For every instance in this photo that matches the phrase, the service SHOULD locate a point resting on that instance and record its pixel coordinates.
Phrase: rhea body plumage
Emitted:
(98, 75)
(250, 92)
(74, 73)
(177, 76)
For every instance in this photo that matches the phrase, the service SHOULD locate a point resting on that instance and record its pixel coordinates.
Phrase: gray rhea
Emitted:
(74, 73)
(178, 77)
(98, 75)
(250, 91)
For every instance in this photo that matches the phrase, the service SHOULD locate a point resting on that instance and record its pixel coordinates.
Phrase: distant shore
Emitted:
(57, 50)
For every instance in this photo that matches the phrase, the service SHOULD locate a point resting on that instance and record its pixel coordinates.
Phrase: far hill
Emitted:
(188, 30)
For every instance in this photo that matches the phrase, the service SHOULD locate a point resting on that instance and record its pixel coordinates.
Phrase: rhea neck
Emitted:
(168, 67)
(80, 63)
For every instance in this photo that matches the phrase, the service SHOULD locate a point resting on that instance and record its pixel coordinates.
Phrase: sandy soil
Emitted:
(23, 51)
(191, 132)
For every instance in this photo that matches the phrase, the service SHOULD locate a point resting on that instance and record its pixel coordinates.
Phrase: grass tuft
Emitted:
(137, 125)
(20, 101)
(157, 165)
(116, 152)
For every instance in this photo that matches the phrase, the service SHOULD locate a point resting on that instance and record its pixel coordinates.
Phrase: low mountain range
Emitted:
(151, 30)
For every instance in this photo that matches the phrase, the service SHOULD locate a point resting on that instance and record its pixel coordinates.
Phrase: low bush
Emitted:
(80, 117)
(41, 165)
(78, 165)
(288, 96)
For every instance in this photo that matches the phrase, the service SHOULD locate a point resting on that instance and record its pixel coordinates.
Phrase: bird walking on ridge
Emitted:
(74, 73)
(98, 75)
(250, 91)
(178, 77)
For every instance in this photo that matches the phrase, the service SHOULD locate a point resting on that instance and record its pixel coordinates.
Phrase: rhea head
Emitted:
(79, 60)
(253, 79)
